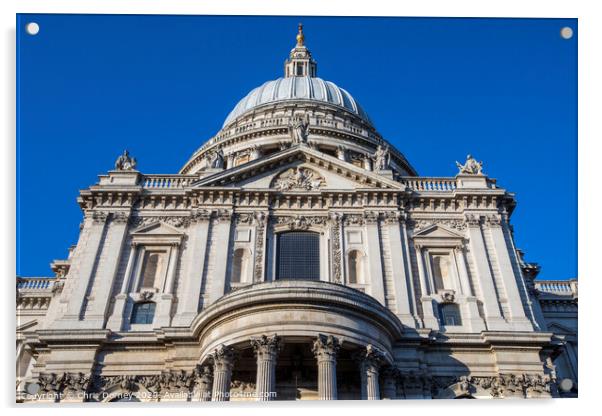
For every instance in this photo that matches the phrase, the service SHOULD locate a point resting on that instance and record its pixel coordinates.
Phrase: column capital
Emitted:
(223, 357)
(266, 347)
(204, 374)
(372, 358)
(326, 347)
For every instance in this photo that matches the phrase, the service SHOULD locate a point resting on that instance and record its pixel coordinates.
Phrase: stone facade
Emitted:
(175, 289)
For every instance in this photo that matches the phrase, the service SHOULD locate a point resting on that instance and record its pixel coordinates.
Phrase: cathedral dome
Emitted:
(298, 88)
(262, 123)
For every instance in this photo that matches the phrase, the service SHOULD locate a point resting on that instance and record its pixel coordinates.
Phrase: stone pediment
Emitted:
(438, 235)
(437, 231)
(157, 233)
(156, 228)
(299, 168)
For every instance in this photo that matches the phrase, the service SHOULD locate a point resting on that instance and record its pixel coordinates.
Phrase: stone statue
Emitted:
(217, 159)
(341, 153)
(125, 162)
(299, 129)
(471, 166)
(381, 158)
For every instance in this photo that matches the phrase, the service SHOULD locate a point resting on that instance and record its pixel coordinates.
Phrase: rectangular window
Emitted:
(298, 256)
(450, 314)
(153, 265)
(440, 266)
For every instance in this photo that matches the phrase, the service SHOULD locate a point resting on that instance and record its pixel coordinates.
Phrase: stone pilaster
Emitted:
(82, 270)
(221, 232)
(428, 311)
(266, 350)
(192, 278)
(223, 361)
(326, 348)
(376, 289)
(115, 321)
(371, 361)
(502, 253)
(400, 279)
(491, 305)
(102, 283)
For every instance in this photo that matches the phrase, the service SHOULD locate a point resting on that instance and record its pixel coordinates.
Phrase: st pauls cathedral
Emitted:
(297, 255)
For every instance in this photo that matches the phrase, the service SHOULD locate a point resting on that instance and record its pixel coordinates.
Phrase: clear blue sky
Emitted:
(89, 86)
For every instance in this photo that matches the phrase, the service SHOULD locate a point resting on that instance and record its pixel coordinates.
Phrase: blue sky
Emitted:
(89, 86)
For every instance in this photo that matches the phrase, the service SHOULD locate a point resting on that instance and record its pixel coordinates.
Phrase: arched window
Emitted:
(240, 259)
(298, 255)
(450, 314)
(355, 266)
(143, 313)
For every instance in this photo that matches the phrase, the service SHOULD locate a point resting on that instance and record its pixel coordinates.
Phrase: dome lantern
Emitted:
(300, 63)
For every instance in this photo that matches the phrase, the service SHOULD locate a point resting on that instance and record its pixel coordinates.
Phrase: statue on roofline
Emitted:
(125, 162)
(470, 167)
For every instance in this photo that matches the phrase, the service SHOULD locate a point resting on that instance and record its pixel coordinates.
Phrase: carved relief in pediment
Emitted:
(298, 179)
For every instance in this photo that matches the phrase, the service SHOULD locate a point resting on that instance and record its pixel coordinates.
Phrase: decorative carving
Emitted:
(420, 224)
(493, 220)
(259, 243)
(353, 219)
(381, 158)
(326, 347)
(473, 220)
(371, 217)
(372, 357)
(391, 217)
(99, 217)
(125, 162)
(300, 222)
(120, 217)
(266, 347)
(222, 357)
(470, 167)
(298, 178)
(146, 295)
(245, 218)
(448, 296)
(335, 230)
(299, 129)
(199, 216)
(502, 385)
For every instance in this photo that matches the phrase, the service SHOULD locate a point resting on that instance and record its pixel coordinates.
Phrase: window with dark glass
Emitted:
(298, 256)
(143, 313)
(450, 314)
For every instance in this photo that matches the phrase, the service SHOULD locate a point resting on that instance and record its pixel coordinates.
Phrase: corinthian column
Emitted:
(203, 384)
(325, 349)
(223, 361)
(266, 350)
(371, 360)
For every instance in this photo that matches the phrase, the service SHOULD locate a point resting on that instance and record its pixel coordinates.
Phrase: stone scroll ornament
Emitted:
(471, 166)
(125, 162)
